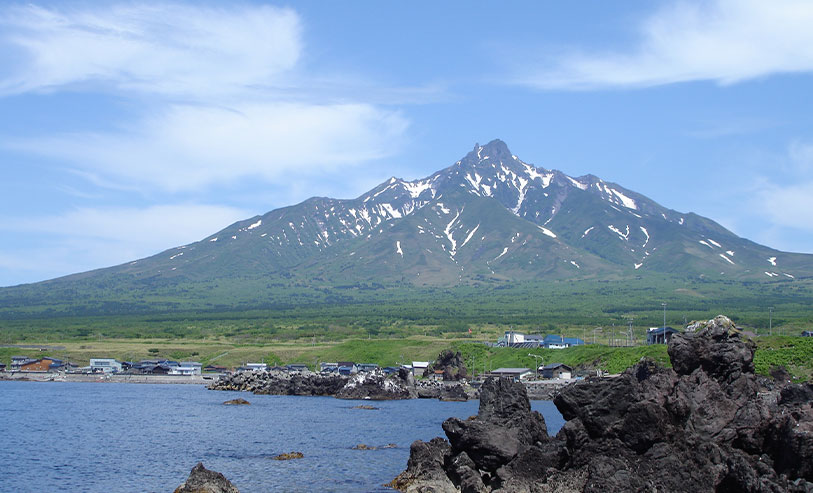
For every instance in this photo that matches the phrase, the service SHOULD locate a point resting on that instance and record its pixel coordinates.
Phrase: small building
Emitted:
(182, 370)
(515, 374)
(215, 369)
(555, 341)
(329, 367)
(105, 365)
(44, 364)
(197, 368)
(347, 368)
(18, 361)
(389, 370)
(556, 370)
(660, 335)
(807, 333)
(253, 367)
(2, 367)
(419, 367)
(368, 367)
(299, 367)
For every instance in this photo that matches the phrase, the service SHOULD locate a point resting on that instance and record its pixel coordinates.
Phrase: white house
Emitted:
(187, 368)
(418, 367)
(105, 365)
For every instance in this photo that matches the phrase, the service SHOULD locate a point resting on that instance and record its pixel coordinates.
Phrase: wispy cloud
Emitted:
(88, 238)
(784, 198)
(725, 41)
(220, 93)
(189, 147)
(174, 49)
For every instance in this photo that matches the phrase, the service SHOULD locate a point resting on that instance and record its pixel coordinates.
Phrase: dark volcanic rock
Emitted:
(202, 480)
(376, 385)
(281, 383)
(450, 363)
(704, 426)
(237, 402)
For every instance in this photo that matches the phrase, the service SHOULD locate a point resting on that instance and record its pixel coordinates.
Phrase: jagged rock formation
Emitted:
(376, 385)
(705, 425)
(282, 383)
(202, 480)
(451, 364)
(373, 385)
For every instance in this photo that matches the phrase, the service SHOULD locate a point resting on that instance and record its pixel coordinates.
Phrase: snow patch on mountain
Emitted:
(576, 183)
(617, 231)
(643, 229)
(772, 260)
(255, 225)
(470, 235)
(398, 248)
(727, 259)
(586, 231)
(547, 232)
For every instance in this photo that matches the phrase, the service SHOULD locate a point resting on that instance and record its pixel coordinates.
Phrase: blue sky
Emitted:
(128, 128)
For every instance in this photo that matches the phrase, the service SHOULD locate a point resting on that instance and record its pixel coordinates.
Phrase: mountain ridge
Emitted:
(488, 218)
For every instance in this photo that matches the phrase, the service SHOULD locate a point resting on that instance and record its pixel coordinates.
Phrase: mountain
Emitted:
(488, 218)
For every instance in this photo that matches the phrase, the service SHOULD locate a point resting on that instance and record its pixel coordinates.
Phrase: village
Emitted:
(420, 369)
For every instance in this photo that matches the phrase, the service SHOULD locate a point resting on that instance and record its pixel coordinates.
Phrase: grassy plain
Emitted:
(795, 353)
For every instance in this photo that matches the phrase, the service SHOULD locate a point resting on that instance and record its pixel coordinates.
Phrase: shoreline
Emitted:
(106, 378)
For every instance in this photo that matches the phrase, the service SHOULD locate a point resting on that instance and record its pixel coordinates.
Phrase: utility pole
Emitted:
(770, 320)
(664, 322)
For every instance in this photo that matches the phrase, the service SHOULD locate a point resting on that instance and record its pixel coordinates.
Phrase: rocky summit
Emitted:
(707, 424)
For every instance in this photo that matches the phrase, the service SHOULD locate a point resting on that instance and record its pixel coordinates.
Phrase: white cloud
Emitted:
(189, 147)
(173, 49)
(786, 196)
(89, 238)
(726, 41)
(220, 93)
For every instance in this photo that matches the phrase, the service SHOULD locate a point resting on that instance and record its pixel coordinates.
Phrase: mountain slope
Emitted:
(488, 218)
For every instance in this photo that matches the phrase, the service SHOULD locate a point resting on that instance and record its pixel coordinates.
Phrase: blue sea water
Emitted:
(108, 437)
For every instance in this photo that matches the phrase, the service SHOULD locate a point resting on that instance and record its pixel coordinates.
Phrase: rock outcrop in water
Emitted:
(705, 425)
(372, 385)
(202, 480)
(376, 385)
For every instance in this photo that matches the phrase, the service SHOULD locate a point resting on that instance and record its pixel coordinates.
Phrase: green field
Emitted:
(795, 353)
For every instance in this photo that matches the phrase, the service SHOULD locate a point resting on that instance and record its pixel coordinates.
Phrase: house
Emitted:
(44, 364)
(368, 367)
(329, 367)
(660, 335)
(512, 373)
(105, 365)
(389, 370)
(19, 361)
(215, 369)
(807, 333)
(555, 341)
(182, 370)
(297, 367)
(347, 368)
(556, 370)
(253, 367)
(2, 367)
(419, 367)
(196, 367)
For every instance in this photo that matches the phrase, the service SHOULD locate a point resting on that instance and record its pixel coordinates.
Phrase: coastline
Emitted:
(106, 378)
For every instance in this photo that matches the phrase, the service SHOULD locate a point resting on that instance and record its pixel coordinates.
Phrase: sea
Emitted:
(110, 437)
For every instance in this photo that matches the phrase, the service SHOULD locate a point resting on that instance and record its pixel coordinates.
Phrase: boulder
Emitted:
(202, 480)
(237, 402)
